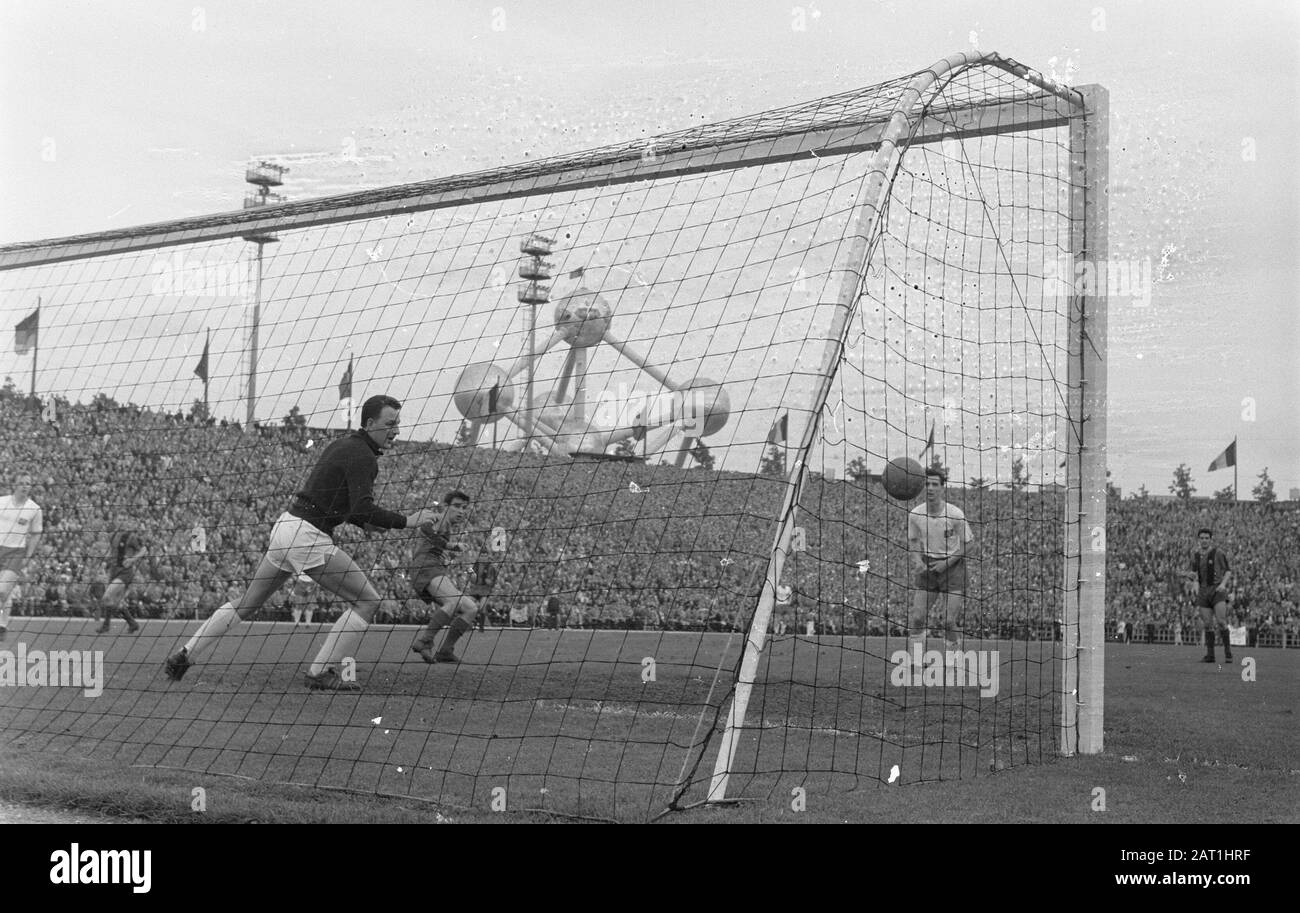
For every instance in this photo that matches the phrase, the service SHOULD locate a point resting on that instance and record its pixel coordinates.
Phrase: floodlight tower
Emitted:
(263, 176)
(534, 269)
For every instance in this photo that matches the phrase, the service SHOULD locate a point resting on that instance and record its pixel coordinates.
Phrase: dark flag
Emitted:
(493, 395)
(780, 430)
(25, 332)
(1225, 459)
(577, 273)
(345, 385)
(929, 445)
(202, 369)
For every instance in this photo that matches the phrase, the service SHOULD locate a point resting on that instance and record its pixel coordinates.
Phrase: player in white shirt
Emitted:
(938, 538)
(20, 537)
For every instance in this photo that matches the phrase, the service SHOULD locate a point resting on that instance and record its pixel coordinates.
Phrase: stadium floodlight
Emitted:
(794, 299)
(263, 176)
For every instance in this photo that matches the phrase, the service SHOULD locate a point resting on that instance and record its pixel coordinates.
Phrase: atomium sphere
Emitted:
(473, 395)
(585, 316)
(707, 400)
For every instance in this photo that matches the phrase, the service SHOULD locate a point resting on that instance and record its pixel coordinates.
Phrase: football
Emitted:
(904, 478)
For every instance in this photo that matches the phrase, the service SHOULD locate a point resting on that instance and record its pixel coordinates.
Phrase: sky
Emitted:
(119, 114)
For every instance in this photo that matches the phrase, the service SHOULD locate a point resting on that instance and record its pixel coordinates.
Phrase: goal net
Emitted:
(669, 375)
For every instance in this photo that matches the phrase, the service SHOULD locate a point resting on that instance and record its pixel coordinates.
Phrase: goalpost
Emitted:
(669, 373)
(909, 125)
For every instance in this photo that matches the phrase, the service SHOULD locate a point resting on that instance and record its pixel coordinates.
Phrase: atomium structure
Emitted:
(561, 421)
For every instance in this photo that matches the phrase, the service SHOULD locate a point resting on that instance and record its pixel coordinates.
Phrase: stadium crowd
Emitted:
(596, 544)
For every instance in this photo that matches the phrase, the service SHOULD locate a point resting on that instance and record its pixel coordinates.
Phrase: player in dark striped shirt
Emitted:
(432, 581)
(125, 550)
(339, 489)
(1210, 570)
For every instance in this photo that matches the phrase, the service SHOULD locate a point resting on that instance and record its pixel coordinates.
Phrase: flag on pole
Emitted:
(1225, 459)
(929, 444)
(345, 385)
(780, 430)
(493, 396)
(577, 273)
(25, 332)
(201, 370)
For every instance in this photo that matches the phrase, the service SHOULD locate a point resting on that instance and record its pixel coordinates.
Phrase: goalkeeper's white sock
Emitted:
(218, 623)
(341, 643)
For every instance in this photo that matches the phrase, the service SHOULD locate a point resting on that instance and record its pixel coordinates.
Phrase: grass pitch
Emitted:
(583, 723)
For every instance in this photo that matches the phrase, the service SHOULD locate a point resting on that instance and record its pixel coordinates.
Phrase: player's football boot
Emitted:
(446, 656)
(133, 629)
(425, 652)
(177, 664)
(329, 680)
(1207, 659)
(102, 629)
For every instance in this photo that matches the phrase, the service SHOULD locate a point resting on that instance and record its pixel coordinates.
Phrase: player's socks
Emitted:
(341, 642)
(1227, 644)
(1209, 644)
(218, 623)
(438, 619)
(457, 627)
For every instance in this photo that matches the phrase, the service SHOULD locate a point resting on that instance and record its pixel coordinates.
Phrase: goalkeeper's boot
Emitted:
(329, 680)
(446, 656)
(102, 629)
(133, 628)
(177, 664)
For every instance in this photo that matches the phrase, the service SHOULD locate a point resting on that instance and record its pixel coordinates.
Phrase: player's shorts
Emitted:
(952, 580)
(424, 575)
(124, 574)
(13, 559)
(1207, 597)
(297, 546)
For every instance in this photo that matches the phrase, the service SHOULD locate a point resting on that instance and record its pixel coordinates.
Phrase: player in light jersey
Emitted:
(21, 527)
(302, 601)
(938, 538)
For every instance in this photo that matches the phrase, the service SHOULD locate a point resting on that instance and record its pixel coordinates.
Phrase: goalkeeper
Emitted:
(432, 581)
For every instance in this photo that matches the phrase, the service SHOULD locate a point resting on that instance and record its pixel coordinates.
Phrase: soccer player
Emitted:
(125, 549)
(20, 536)
(339, 489)
(1209, 569)
(482, 583)
(938, 538)
(432, 580)
(302, 601)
